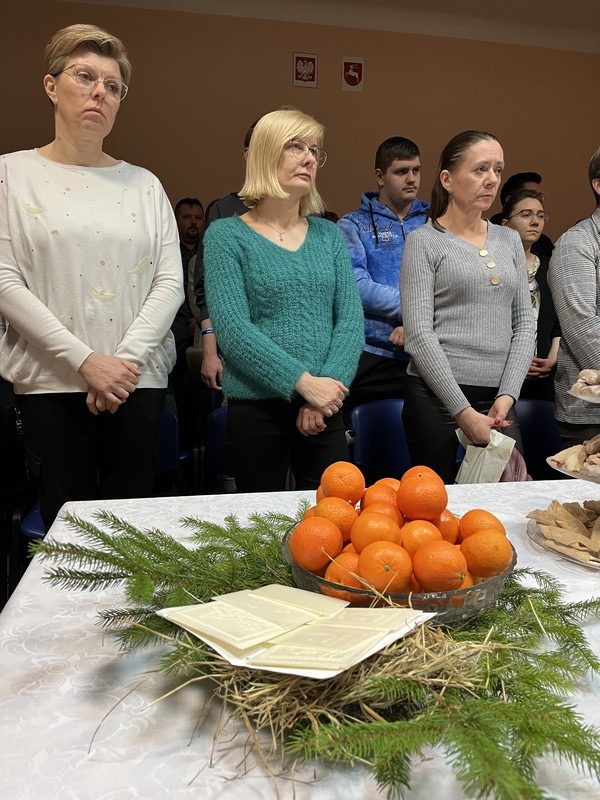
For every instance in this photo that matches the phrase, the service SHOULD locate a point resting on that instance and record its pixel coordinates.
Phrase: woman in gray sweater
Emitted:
(467, 315)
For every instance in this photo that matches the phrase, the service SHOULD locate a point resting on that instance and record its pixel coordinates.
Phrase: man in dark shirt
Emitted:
(189, 215)
(228, 206)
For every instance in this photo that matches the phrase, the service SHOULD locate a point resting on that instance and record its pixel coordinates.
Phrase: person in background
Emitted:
(467, 313)
(514, 183)
(286, 312)
(575, 287)
(229, 206)
(189, 215)
(90, 280)
(375, 235)
(524, 212)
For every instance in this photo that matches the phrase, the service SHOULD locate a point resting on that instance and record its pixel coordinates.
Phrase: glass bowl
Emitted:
(451, 608)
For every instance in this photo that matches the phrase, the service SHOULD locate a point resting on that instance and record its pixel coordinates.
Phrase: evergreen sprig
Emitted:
(494, 707)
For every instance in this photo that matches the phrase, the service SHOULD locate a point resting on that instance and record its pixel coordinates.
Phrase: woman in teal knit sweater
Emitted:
(287, 314)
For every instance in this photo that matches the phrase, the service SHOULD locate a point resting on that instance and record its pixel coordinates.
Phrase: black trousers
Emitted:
(264, 443)
(573, 433)
(74, 455)
(377, 378)
(430, 429)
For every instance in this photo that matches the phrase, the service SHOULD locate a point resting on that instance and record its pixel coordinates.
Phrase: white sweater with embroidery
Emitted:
(89, 262)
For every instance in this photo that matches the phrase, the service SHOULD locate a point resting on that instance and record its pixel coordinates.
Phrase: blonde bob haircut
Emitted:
(269, 137)
(89, 37)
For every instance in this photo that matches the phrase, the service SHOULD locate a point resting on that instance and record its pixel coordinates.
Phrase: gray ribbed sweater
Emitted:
(466, 322)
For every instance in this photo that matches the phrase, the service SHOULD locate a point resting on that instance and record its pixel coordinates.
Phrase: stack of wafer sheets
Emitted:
(292, 631)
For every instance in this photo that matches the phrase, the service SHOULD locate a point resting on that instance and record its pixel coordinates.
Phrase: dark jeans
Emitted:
(264, 442)
(430, 429)
(75, 455)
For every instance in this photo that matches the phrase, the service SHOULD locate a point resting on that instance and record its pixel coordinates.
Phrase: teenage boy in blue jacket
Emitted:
(375, 235)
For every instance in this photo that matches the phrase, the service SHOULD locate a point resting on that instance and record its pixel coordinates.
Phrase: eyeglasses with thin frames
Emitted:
(88, 79)
(527, 214)
(300, 150)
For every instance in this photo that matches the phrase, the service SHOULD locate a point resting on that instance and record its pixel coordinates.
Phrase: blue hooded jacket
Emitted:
(375, 239)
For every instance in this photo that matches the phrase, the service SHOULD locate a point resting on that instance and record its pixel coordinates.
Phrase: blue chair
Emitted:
(379, 447)
(540, 435)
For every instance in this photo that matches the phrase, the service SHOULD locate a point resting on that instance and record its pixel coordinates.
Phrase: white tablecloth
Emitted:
(74, 721)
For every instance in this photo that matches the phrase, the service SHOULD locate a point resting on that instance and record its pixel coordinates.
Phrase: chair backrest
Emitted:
(379, 447)
(540, 435)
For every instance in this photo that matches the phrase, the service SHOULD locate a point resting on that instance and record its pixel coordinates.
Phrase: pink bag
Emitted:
(516, 469)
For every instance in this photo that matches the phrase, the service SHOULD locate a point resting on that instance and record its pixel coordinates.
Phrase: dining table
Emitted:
(82, 720)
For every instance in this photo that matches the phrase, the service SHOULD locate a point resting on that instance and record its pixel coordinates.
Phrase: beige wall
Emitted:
(199, 80)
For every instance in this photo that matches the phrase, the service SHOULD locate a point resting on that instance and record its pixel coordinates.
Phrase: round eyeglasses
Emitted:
(88, 79)
(527, 214)
(300, 150)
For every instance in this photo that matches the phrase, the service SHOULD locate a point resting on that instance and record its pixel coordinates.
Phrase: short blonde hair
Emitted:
(271, 133)
(67, 40)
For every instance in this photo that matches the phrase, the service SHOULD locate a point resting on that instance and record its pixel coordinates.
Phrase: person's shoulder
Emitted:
(420, 207)
(504, 234)
(135, 173)
(19, 155)
(583, 231)
(425, 232)
(229, 206)
(324, 229)
(224, 227)
(21, 160)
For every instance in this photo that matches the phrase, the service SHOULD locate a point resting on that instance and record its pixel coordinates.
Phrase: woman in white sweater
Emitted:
(90, 280)
(467, 315)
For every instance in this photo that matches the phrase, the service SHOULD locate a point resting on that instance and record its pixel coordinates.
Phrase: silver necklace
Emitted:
(278, 232)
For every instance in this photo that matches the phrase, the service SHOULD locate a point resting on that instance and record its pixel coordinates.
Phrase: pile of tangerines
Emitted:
(396, 535)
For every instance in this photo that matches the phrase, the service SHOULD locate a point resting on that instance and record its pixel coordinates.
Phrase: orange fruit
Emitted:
(439, 566)
(447, 524)
(389, 509)
(374, 527)
(345, 480)
(458, 602)
(393, 482)
(487, 552)
(414, 586)
(386, 567)
(343, 570)
(314, 542)
(422, 496)
(340, 512)
(478, 519)
(319, 495)
(310, 512)
(417, 532)
(349, 548)
(468, 581)
(418, 470)
(378, 493)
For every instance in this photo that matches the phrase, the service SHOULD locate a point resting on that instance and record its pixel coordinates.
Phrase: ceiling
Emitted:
(558, 24)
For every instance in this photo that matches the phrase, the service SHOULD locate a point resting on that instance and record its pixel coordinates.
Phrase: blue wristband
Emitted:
(207, 330)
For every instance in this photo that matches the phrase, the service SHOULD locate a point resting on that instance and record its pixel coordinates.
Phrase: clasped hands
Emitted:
(324, 398)
(110, 380)
(477, 427)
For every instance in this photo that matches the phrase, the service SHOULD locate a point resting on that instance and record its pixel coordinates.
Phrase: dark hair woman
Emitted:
(524, 212)
(466, 309)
